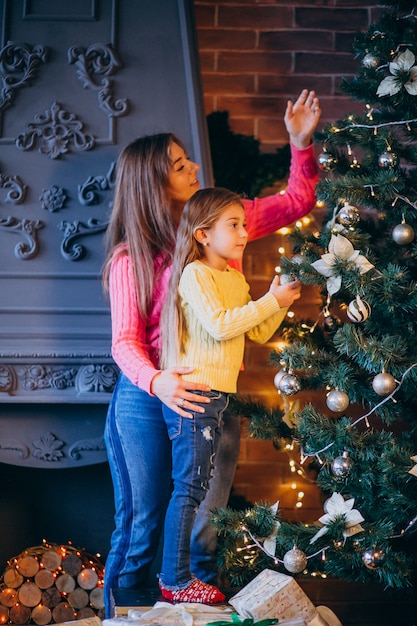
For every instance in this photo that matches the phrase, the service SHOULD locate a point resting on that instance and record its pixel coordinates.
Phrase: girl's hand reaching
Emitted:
(285, 294)
(301, 118)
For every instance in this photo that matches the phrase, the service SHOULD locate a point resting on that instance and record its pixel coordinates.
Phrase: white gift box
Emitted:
(273, 595)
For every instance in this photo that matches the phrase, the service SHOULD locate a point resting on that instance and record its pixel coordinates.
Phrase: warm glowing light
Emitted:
(299, 224)
(298, 505)
(301, 494)
(284, 231)
(278, 269)
(281, 250)
(290, 314)
(293, 485)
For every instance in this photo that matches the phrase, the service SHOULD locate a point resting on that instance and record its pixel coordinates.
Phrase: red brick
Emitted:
(226, 39)
(228, 83)
(292, 85)
(260, 62)
(257, 17)
(243, 126)
(332, 19)
(204, 14)
(269, 107)
(272, 131)
(207, 61)
(338, 64)
(344, 42)
(296, 39)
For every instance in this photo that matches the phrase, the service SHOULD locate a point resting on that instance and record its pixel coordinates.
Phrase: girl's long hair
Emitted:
(141, 222)
(202, 211)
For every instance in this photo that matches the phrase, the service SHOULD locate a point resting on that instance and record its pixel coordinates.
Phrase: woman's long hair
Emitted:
(202, 211)
(141, 222)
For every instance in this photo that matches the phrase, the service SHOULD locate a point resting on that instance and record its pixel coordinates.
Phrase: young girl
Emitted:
(206, 316)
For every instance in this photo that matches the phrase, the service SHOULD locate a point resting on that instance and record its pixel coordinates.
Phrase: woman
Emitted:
(155, 178)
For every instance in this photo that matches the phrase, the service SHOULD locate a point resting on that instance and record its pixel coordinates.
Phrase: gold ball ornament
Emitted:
(358, 310)
(295, 561)
(384, 384)
(403, 234)
(373, 559)
(337, 401)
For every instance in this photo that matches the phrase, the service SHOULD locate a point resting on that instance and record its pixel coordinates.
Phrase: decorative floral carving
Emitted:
(13, 444)
(87, 191)
(72, 250)
(44, 377)
(89, 445)
(27, 228)
(56, 130)
(18, 189)
(48, 448)
(97, 378)
(18, 67)
(7, 379)
(103, 60)
(53, 198)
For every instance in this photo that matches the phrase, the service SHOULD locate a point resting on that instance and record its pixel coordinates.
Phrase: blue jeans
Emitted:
(194, 446)
(139, 456)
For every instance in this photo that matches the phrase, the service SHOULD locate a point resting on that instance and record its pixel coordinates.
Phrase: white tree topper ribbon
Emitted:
(336, 507)
(339, 248)
(402, 66)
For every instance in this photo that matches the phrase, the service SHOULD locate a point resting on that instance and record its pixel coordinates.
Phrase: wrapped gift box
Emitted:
(273, 595)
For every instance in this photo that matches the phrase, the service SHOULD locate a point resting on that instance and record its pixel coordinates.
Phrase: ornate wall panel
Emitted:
(79, 79)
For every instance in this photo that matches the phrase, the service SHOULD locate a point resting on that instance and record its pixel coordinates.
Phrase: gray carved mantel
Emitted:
(79, 80)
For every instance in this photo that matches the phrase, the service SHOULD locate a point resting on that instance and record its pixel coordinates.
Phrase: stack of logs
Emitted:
(51, 584)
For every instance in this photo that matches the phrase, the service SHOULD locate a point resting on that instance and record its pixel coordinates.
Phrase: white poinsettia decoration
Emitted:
(339, 248)
(404, 74)
(270, 543)
(337, 507)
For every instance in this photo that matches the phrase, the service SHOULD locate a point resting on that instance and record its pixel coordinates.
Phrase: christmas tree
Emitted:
(360, 352)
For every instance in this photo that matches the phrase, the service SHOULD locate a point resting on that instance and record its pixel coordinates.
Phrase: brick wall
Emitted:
(254, 55)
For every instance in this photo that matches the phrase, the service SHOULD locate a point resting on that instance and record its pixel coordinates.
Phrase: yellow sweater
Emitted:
(219, 313)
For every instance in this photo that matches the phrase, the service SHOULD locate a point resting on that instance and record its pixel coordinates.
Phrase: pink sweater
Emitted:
(135, 341)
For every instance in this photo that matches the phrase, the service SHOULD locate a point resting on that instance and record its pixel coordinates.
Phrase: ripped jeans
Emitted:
(194, 445)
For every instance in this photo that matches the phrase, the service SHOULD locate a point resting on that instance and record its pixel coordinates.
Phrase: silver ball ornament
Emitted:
(388, 160)
(289, 385)
(348, 215)
(384, 384)
(403, 234)
(370, 61)
(337, 400)
(295, 560)
(342, 465)
(284, 279)
(373, 559)
(327, 161)
(278, 377)
(358, 310)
